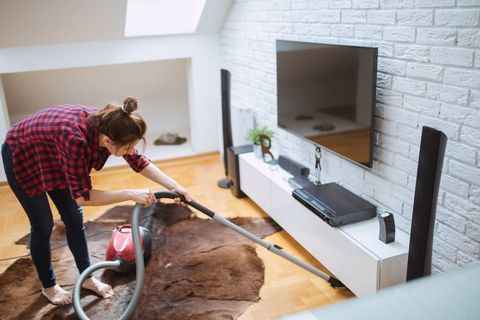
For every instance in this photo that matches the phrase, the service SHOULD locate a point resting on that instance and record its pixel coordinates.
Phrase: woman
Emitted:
(52, 152)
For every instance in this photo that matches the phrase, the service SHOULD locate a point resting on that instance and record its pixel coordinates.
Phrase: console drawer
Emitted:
(255, 184)
(356, 267)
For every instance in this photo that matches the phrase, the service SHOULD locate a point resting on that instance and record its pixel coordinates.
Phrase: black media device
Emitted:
(300, 182)
(387, 227)
(334, 204)
(234, 168)
(293, 167)
(326, 95)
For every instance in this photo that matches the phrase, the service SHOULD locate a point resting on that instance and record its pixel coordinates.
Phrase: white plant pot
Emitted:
(257, 150)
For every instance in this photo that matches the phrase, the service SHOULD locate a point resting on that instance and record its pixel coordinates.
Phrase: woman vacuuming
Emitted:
(53, 152)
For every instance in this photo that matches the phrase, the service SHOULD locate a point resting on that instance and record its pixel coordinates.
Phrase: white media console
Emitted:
(352, 253)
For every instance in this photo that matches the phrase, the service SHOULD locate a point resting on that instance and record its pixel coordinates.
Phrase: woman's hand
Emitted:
(180, 190)
(144, 197)
(154, 173)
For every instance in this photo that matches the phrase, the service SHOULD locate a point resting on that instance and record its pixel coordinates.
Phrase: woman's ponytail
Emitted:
(130, 105)
(122, 124)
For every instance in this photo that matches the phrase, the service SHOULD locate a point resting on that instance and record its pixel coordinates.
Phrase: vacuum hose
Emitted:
(140, 266)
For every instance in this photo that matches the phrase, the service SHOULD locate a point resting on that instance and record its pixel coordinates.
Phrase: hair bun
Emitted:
(130, 104)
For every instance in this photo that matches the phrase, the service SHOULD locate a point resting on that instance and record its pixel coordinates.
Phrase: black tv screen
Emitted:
(326, 94)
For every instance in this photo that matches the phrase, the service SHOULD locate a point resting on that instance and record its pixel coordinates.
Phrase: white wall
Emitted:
(57, 34)
(204, 89)
(51, 35)
(46, 22)
(4, 123)
(202, 50)
(429, 74)
(88, 54)
(161, 87)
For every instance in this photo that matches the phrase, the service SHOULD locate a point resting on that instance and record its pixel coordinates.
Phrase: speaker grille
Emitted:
(429, 171)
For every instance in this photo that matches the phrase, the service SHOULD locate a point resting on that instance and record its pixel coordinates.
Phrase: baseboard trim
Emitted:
(168, 161)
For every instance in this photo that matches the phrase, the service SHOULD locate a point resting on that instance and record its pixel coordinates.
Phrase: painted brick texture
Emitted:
(428, 74)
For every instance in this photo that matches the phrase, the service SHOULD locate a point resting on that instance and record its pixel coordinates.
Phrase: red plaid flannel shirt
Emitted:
(57, 148)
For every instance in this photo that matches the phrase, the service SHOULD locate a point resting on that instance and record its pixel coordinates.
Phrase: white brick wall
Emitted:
(428, 74)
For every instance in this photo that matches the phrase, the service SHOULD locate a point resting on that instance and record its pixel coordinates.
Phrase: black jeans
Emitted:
(41, 224)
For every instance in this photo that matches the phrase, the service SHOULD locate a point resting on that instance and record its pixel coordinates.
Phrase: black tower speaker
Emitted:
(226, 125)
(430, 162)
(234, 168)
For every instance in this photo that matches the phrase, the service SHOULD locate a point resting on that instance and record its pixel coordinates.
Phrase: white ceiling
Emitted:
(33, 23)
(48, 22)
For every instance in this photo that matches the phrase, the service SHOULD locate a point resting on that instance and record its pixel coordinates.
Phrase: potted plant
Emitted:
(253, 135)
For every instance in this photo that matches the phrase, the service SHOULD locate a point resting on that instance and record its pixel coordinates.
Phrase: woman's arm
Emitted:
(141, 196)
(103, 197)
(154, 173)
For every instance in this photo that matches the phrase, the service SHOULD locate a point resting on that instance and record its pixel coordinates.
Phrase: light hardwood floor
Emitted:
(287, 287)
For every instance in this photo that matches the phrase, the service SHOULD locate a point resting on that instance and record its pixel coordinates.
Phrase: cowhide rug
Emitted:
(199, 269)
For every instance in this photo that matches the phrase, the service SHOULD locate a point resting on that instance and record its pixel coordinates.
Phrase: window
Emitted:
(162, 17)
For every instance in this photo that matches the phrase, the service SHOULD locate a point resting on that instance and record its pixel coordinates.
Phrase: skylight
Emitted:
(162, 17)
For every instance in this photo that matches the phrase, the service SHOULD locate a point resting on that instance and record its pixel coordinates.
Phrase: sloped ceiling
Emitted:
(47, 22)
(213, 16)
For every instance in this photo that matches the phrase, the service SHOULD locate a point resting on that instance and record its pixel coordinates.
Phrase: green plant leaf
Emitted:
(253, 134)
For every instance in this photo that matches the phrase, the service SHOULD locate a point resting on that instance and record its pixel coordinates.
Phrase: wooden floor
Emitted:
(287, 288)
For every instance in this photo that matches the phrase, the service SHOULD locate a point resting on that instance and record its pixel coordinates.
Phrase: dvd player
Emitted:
(334, 204)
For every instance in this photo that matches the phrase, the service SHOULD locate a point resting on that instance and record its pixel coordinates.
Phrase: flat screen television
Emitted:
(326, 94)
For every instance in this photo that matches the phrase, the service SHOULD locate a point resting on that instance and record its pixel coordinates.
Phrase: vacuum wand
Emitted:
(270, 247)
(140, 264)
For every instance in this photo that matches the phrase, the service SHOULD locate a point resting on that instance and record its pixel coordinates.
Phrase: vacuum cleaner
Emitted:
(130, 244)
